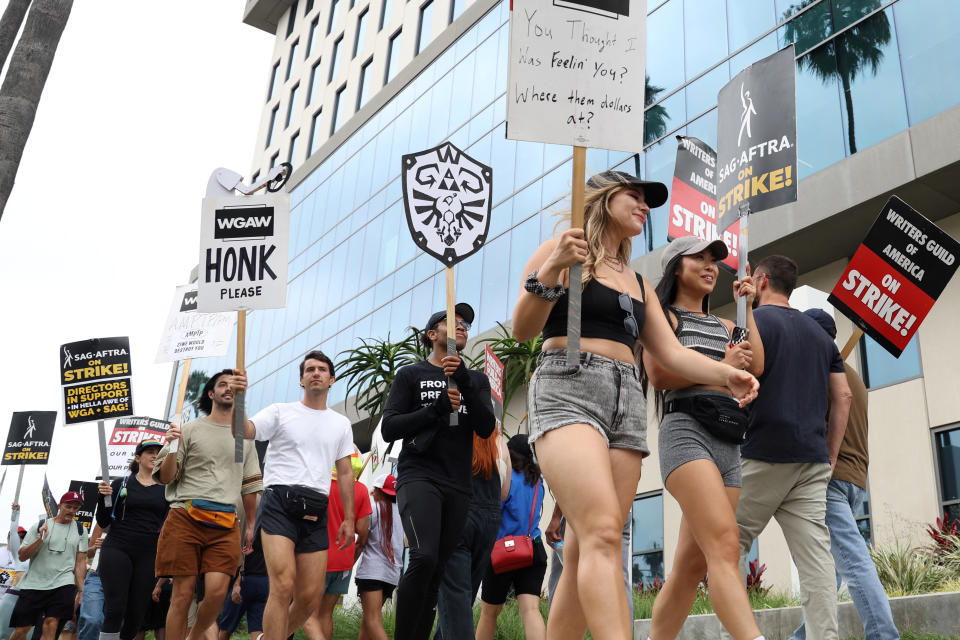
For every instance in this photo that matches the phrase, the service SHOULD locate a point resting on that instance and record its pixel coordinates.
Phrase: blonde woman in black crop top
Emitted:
(700, 467)
(587, 423)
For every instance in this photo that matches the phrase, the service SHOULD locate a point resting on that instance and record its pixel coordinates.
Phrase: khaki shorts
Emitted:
(188, 548)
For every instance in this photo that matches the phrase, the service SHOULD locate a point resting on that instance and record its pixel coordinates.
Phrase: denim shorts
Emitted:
(600, 392)
(683, 439)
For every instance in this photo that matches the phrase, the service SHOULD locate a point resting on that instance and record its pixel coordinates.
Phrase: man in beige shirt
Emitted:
(201, 535)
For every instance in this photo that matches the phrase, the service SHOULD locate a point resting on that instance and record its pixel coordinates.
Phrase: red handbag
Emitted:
(515, 552)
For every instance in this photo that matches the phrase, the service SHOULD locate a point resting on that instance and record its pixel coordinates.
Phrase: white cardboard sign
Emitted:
(243, 252)
(191, 334)
(576, 73)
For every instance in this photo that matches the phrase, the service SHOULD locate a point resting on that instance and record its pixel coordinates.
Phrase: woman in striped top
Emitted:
(699, 458)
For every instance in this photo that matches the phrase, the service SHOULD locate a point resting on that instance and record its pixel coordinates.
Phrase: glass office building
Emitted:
(867, 70)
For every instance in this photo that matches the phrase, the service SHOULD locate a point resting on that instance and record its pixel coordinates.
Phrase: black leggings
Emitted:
(433, 519)
(127, 578)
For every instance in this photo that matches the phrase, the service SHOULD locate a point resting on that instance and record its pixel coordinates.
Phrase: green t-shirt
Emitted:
(53, 564)
(205, 466)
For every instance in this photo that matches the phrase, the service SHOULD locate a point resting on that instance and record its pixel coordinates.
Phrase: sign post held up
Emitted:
(244, 245)
(575, 68)
(756, 147)
(447, 200)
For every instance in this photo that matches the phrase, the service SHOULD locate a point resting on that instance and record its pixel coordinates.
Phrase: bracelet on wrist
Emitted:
(537, 288)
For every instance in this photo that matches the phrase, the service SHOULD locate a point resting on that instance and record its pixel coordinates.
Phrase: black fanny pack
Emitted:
(301, 503)
(720, 415)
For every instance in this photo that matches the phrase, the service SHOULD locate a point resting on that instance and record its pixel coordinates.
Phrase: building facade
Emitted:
(354, 84)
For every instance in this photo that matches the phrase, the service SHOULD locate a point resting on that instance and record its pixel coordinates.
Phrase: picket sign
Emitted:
(575, 68)
(242, 237)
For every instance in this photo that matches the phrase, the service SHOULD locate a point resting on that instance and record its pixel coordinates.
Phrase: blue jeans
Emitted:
(463, 573)
(854, 565)
(91, 608)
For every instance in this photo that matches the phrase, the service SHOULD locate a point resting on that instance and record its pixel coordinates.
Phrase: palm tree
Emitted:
(851, 54)
(370, 369)
(24, 82)
(195, 382)
(656, 118)
(519, 361)
(10, 26)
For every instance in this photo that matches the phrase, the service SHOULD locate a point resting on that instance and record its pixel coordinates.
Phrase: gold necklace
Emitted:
(614, 263)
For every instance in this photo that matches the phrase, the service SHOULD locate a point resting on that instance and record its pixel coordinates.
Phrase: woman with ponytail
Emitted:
(379, 569)
(470, 560)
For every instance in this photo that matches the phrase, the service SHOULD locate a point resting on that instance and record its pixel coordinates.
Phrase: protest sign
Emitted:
(189, 333)
(494, 369)
(50, 504)
(896, 275)
(693, 198)
(30, 437)
(447, 200)
(576, 73)
(95, 375)
(88, 492)
(127, 434)
(757, 138)
(243, 252)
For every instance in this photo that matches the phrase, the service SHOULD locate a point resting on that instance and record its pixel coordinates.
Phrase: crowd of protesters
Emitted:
(193, 541)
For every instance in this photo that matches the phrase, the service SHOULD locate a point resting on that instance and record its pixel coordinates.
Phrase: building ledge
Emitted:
(265, 14)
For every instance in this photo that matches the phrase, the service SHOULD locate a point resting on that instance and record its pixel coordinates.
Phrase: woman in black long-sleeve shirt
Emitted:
(129, 551)
(435, 466)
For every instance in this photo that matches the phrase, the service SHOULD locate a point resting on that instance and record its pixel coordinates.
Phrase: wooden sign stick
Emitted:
(239, 398)
(181, 396)
(851, 343)
(575, 291)
(451, 332)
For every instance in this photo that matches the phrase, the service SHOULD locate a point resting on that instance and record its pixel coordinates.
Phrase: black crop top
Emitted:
(602, 316)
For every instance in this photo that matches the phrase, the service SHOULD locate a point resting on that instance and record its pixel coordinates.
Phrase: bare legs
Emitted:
(296, 577)
(371, 627)
(709, 543)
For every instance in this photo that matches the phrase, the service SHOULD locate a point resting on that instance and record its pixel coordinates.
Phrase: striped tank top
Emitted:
(704, 334)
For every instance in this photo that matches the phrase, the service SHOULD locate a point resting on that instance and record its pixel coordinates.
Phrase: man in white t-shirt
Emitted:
(306, 440)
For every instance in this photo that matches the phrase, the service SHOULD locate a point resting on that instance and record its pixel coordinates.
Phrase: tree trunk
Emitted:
(10, 26)
(24, 82)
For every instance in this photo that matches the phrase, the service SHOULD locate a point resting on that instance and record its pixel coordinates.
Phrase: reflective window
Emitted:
(927, 48)
(308, 7)
(314, 82)
(291, 105)
(361, 37)
(947, 445)
(808, 29)
(335, 59)
(386, 12)
(332, 20)
(292, 153)
(337, 118)
(363, 90)
(819, 102)
(274, 159)
(273, 80)
(664, 49)
(747, 20)
(312, 37)
(315, 132)
(292, 60)
(291, 18)
(880, 368)
(272, 129)
(647, 536)
(393, 57)
(702, 19)
(846, 12)
(456, 8)
(424, 27)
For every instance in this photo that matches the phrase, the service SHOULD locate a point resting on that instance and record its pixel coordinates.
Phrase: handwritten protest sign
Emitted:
(243, 252)
(576, 73)
(896, 275)
(30, 437)
(127, 434)
(693, 198)
(191, 334)
(95, 375)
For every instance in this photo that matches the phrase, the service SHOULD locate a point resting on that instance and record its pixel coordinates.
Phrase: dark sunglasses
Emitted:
(630, 322)
(462, 323)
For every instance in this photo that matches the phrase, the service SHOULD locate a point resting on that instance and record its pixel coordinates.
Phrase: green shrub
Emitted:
(904, 570)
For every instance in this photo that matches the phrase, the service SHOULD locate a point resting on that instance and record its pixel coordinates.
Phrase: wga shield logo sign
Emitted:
(243, 222)
(189, 301)
(447, 197)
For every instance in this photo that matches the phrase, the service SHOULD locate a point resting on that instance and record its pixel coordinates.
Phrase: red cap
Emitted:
(71, 496)
(387, 484)
(21, 530)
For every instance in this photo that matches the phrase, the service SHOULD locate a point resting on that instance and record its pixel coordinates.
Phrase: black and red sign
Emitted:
(693, 198)
(896, 275)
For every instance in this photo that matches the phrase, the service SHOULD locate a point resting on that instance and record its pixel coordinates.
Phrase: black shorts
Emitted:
(34, 605)
(364, 585)
(282, 513)
(529, 580)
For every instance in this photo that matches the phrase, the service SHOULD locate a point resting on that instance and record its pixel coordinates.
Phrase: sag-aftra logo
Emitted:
(247, 222)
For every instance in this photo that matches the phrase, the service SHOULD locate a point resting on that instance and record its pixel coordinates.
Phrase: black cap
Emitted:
(461, 309)
(147, 444)
(824, 320)
(205, 403)
(520, 444)
(655, 193)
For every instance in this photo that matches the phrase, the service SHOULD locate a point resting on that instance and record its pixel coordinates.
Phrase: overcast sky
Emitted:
(143, 101)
